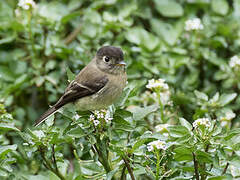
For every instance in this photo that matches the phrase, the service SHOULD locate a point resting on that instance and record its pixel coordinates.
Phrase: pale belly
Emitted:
(101, 100)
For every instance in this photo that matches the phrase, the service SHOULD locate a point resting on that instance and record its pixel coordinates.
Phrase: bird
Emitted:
(97, 85)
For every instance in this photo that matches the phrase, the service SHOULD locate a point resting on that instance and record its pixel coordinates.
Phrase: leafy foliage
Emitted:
(186, 127)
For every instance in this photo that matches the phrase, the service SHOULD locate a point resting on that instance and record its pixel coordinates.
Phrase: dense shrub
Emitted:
(178, 117)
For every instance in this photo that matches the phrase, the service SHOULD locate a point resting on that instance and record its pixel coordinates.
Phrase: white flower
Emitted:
(158, 144)
(160, 83)
(150, 148)
(99, 116)
(26, 4)
(76, 116)
(39, 133)
(202, 121)
(193, 24)
(17, 12)
(92, 117)
(96, 122)
(226, 119)
(107, 117)
(234, 61)
(228, 116)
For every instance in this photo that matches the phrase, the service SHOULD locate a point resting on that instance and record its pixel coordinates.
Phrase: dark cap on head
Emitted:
(111, 51)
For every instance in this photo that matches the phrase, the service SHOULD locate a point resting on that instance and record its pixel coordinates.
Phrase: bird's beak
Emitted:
(121, 63)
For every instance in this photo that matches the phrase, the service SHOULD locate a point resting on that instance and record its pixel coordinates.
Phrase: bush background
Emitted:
(40, 48)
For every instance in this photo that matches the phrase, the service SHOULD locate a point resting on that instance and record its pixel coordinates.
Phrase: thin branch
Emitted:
(195, 166)
(48, 165)
(103, 160)
(225, 169)
(54, 158)
(72, 35)
(123, 176)
(130, 171)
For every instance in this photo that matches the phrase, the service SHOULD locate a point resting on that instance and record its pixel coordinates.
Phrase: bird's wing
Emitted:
(77, 89)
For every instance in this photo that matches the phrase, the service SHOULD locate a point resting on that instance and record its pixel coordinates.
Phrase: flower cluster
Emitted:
(158, 84)
(26, 4)
(99, 116)
(162, 128)
(193, 24)
(161, 88)
(157, 144)
(202, 122)
(234, 61)
(227, 118)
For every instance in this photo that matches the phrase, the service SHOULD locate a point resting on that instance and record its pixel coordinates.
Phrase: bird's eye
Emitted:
(106, 59)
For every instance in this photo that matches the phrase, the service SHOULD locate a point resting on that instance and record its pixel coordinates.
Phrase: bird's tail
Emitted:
(45, 115)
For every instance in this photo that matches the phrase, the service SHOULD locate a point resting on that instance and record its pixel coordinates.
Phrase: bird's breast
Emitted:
(105, 96)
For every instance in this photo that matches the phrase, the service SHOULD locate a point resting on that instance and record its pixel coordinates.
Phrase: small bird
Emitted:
(97, 85)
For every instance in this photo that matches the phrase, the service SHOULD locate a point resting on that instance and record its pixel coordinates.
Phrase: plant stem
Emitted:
(161, 106)
(49, 166)
(102, 159)
(225, 169)
(195, 166)
(54, 159)
(157, 165)
(72, 35)
(130, 171)
(123, 176)
(30, 33)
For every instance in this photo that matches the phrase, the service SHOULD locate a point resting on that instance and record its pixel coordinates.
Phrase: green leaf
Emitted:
(232, 133)
(120, 123)
(70, 16)
(185, 123)
(201, 95)
(203, 157)
(7, 39)
(140, 113)
(6, 74)
(6, 149)
(183, 154)
(168, 32)
(218, 178)
(124, 96)
(227, 98)
(70, 75)
(76, 132)
(139, 143)
(111, 173)
(169, 8)
(178, 131)
(8, 127)
(220, 6)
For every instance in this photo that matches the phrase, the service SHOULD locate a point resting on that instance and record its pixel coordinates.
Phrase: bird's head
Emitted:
(110, 59)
